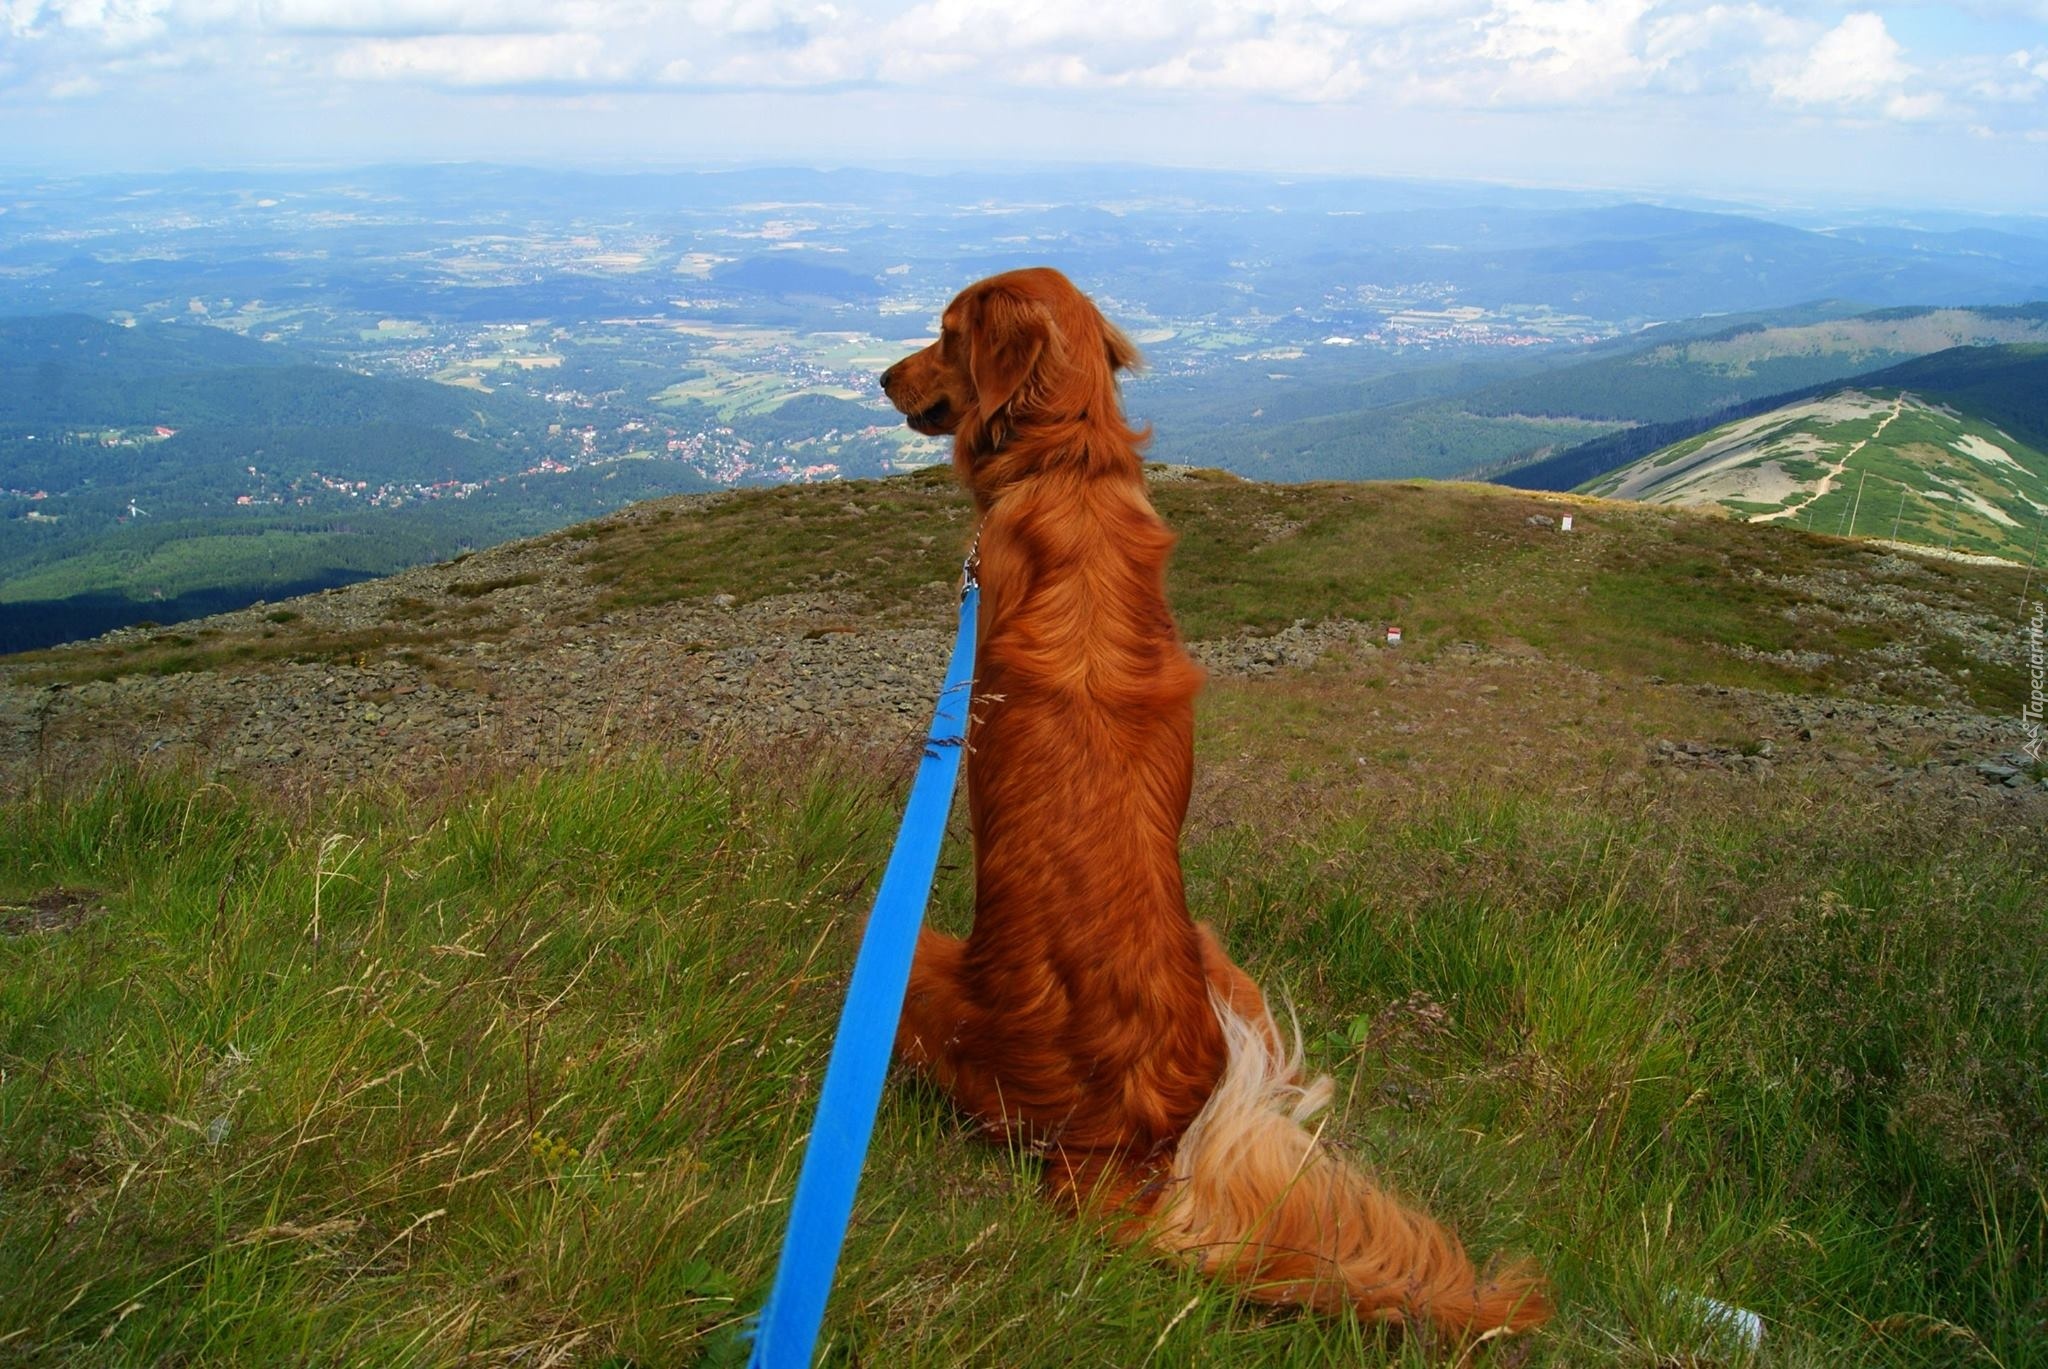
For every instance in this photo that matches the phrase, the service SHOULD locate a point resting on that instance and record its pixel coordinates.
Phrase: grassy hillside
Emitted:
(1875, 464)
(1636, 590)
(487, 1062)
(1948, 449)
(521, 1071)
(1999, 384)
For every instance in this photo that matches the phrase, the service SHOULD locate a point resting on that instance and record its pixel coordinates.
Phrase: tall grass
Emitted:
(518, 1073)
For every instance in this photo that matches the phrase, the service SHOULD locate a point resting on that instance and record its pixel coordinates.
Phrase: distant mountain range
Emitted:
(1673, 379)
(1579, 419)
(1163, 241)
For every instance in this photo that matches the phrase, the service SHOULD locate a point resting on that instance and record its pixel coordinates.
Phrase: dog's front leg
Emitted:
(934, 1007)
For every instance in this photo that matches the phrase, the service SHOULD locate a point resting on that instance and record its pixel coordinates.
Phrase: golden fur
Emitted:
(1086, 1012)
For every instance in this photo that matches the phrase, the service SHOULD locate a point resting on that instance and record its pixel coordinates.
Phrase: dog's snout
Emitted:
(885, 377)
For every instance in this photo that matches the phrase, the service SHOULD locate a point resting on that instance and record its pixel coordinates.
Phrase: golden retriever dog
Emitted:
(1086, 1012)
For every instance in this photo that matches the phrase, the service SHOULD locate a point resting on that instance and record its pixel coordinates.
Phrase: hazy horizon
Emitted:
(1813, 207)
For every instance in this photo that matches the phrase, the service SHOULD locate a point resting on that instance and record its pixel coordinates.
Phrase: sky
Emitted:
(1793, 103)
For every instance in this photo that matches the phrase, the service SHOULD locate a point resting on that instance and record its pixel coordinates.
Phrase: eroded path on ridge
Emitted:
(1827, 481)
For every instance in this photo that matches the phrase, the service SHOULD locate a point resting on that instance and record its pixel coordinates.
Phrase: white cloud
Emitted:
(487, 61)
(1287, 68)
(994, 26)
(113, 23)
(755, 18)
(1611, 56)
(1388, 14)
(1285, 49)
(1916, 107)
(1857, 62)
(1563, 51)
(809, 63)
(1858, 69)
(1720, 47)
(401, 18)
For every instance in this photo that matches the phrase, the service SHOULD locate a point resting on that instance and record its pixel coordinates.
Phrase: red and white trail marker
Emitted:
(1393, 636)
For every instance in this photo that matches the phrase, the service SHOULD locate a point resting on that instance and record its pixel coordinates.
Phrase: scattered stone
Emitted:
(55, 909)
(1296, 647)
(1707, 756)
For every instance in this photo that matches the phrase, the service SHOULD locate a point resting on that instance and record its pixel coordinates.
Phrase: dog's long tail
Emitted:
(1254, 1197)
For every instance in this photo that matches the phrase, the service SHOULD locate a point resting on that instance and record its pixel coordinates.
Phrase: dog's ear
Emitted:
(1008, 334)
(1123, 353)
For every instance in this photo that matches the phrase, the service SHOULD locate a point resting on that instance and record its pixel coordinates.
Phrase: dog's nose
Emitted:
(884, 380)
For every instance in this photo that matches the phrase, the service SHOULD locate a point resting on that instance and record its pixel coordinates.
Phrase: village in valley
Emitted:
(729, 337)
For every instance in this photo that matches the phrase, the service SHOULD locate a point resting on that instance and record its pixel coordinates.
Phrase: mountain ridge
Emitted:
(1956, 438)
(2001, 379)
(637, 605)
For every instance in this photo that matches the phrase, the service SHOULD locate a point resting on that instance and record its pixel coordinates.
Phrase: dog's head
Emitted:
(1018, 354)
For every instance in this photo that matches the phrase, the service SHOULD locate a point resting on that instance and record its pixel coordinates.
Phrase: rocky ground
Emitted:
(519, 661)
(532, 675)
(1868, 743)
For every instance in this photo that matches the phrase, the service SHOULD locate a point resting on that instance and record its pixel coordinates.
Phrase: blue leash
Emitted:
(787, 1330)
